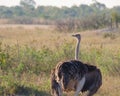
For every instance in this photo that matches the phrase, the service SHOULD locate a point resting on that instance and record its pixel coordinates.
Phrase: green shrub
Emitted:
(23, 67)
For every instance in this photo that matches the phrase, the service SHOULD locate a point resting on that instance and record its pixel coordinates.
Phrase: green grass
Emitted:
(23, 68)
(26, 70)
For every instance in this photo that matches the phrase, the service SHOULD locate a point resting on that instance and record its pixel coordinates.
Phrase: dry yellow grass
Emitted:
(39, 36)
(35, 36)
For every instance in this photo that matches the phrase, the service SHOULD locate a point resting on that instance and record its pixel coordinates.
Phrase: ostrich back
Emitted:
(69, 73)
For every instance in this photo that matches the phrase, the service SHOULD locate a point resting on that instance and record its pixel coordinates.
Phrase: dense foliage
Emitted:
(76, 18)
(54, 13)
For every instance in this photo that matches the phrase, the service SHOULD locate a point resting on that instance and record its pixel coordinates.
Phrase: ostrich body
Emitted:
(74, 75)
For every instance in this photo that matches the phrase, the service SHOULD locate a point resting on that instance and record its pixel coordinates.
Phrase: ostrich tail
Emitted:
(55, 87)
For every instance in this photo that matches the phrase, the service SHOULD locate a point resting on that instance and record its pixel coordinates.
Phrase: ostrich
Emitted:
(74, 75)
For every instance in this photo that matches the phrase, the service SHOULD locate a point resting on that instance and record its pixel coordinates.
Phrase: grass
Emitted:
(28, 53)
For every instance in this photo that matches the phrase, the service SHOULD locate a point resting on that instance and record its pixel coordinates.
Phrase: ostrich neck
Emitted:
(77, 49)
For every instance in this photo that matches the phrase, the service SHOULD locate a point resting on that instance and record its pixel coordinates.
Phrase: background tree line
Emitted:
(81, 17)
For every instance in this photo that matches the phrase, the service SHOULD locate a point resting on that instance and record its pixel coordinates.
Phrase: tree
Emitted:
(115, 18)
(98, 6)
(27, 3)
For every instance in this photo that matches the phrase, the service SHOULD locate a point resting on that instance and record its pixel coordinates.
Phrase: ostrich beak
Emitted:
(73, 35)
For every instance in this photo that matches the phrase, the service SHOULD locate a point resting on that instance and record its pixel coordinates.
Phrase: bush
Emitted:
(109, 35)
(25, 70)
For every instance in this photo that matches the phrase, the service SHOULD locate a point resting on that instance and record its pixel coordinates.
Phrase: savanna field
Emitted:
(29, 52)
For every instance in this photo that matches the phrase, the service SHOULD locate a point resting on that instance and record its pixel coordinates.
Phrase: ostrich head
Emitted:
(78, 36)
